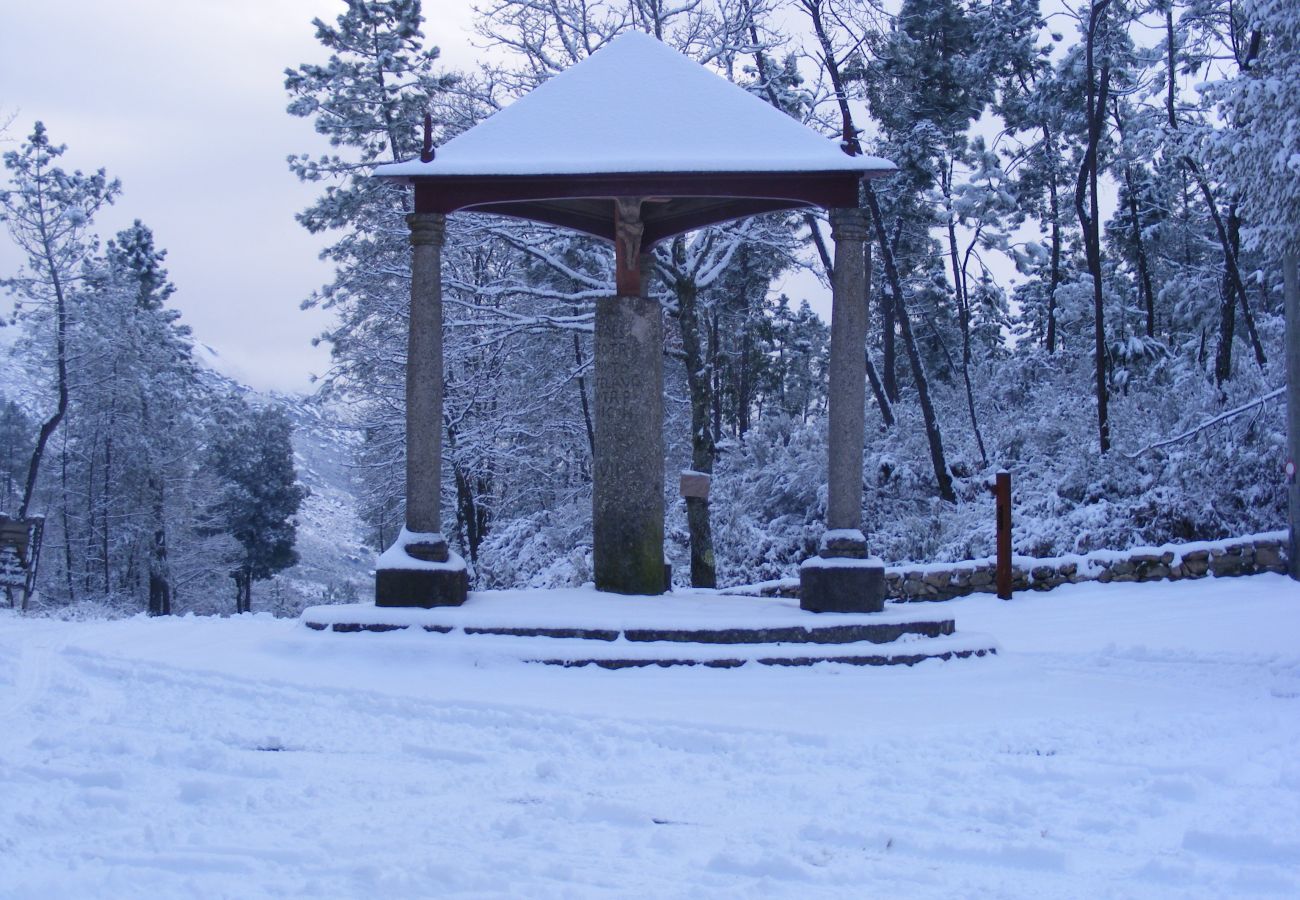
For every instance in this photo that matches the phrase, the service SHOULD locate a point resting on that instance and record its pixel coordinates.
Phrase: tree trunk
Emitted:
(469, 516)
(90, 567)
(1227, 326)
(1144, 272)
(61, 369)
(1237, 289)
(888, 355)
(472, 517)
(1291, 287)
(877, 390)
(104, 541)
(66, 520)
(932, 433)
(715, 355)
(703, 448)
(743, 379)
(160, 589)
(1089, 217)
(963, 315)
(1054, 207)
(1171, 70)
(582, 392)
(1227, 316)
(243, 591)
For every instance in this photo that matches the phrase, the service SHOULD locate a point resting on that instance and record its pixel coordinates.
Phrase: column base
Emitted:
(419, 570)
(842, 584)
(621, 577)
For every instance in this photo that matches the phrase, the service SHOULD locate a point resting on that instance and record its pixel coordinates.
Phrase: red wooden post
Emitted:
(1002, 492)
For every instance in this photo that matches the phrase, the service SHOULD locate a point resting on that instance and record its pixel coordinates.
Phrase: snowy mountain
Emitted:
(334, 561)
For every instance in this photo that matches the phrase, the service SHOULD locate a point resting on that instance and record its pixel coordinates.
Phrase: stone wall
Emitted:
(1248, 555)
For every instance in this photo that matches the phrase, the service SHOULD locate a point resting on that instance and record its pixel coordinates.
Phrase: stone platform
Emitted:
(584, 627)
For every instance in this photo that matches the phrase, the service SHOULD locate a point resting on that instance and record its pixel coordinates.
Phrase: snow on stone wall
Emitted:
(1249, 555)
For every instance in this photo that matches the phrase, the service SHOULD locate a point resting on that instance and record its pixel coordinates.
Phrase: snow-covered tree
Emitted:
(49, 212)
(260, 495)
(1258, 155)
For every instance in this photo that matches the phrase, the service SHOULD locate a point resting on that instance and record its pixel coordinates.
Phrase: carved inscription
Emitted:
(627, 502)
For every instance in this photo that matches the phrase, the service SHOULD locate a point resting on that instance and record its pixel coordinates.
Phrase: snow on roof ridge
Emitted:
(636, 105)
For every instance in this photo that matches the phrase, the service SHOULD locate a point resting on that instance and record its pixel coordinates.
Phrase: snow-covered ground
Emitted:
(1129, 740)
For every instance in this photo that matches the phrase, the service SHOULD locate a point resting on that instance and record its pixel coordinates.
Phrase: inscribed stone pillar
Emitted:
(841, 578)
(627, 516)
(419, 569)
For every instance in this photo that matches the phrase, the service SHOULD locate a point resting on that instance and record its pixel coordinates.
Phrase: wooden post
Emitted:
(1002, 491)
(1291, 286)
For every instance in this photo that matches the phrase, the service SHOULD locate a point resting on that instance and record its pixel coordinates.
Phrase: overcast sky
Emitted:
(184, 101)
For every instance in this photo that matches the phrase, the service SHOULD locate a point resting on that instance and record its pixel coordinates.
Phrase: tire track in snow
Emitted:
(35, 661)
(379, 794)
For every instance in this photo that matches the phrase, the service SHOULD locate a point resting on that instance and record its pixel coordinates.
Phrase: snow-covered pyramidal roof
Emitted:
(636, 106)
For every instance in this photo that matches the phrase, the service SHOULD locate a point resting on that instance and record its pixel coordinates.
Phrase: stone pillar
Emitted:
(419, 569)
(846, 394)
(424, 376)
(627, 515)
(841, 578)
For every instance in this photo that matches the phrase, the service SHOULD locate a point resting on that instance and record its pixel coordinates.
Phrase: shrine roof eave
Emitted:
(676, 201)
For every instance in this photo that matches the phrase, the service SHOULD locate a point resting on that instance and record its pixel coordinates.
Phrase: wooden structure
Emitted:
(633, 145)
(1002, 495)
(20, 553)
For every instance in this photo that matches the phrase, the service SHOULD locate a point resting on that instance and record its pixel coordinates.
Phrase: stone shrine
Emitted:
(633, 145)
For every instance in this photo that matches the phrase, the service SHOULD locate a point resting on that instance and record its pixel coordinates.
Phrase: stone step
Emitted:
(781, 656)
(571, 648)
(582, 627)
(882, 633)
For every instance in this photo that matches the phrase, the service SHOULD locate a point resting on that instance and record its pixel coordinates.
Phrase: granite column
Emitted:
(419, 569)
(841, 578)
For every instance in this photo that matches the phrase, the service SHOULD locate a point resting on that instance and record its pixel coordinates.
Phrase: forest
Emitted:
(1076, 276)
(157, 484)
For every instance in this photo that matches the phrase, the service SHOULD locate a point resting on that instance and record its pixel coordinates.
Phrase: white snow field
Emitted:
(1127, 741)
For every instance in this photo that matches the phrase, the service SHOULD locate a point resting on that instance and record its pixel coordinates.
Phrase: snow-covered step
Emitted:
(907, 651)
(580, 627)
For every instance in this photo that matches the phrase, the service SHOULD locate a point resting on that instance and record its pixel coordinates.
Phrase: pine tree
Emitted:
(49, 212)
(368, 99)
(135, 422)
(261, 495)
(1259, 155)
